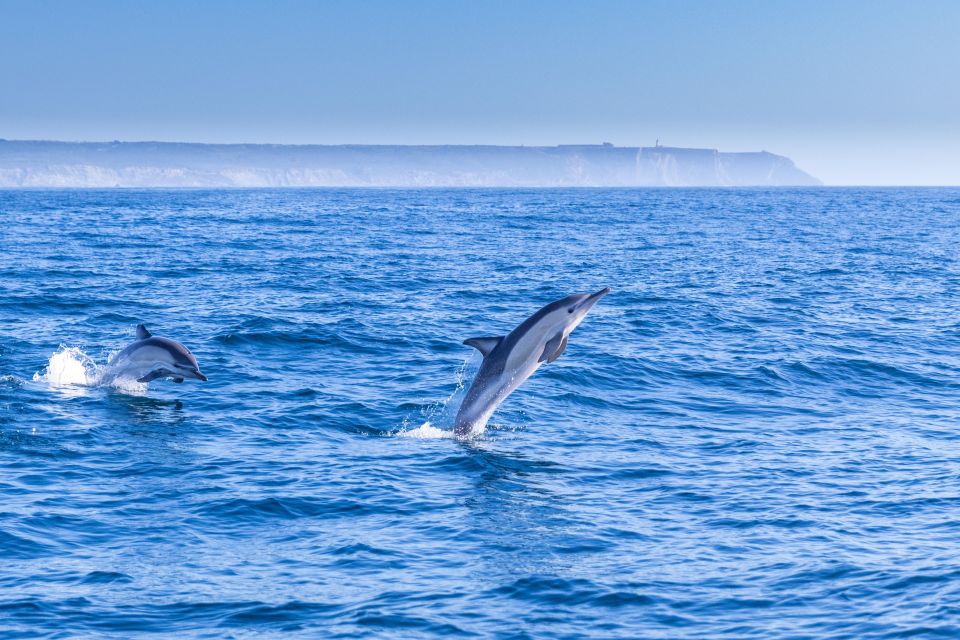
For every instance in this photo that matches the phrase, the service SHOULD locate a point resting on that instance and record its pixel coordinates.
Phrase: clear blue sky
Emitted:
(855, 92)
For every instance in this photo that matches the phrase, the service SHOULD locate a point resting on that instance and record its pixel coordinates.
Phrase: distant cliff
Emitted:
(172, 164)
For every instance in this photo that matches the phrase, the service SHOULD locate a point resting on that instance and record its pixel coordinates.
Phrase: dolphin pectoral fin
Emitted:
(153, 375)
(556, 354)
(142, 333)
(178, 380)
(484, 345)
(554, 348)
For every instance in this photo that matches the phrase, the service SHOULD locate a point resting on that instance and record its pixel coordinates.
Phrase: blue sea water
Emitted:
(756, 435)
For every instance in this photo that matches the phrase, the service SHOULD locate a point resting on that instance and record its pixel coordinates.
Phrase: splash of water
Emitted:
(426, 431)
(71, 367)
(442, 412)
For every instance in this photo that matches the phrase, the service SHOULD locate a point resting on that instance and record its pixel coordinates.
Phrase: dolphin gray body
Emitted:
(509, 360)
(151, 358)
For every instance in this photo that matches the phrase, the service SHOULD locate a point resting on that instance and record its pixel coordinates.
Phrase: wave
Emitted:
(13, 547)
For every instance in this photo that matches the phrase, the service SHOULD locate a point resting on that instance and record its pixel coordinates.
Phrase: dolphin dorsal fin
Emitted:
(554, 348)
(484, 345)
(142, 333)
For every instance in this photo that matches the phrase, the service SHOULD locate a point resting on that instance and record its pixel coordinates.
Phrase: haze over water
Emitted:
(753, 436)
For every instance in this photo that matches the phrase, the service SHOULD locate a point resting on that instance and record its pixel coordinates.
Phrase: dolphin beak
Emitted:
(594, 298)
(200, 376)
(599, 294)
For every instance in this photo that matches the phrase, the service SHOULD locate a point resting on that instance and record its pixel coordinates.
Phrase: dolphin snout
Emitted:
(190, 371)
(593, 298)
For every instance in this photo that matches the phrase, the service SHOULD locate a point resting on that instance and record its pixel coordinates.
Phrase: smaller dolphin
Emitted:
(511, 359)
(150, 358)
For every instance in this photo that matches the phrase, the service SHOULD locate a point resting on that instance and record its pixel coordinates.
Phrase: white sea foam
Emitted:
(441, 413)
(426, 431)
(70, 367)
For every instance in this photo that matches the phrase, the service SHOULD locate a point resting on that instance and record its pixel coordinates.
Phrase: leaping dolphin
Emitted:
(509, 360)
(150, 358)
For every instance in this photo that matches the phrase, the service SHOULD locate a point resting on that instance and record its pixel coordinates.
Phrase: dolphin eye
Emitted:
(570, 310)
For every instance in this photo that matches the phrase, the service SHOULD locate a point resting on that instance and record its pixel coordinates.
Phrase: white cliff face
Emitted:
(107, 165)
(677, 167)
(94, 176)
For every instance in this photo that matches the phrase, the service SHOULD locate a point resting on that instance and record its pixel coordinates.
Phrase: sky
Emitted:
(855, 92)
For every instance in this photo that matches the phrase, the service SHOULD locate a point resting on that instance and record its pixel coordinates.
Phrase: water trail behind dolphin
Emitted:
(71, 367)
(439, 416)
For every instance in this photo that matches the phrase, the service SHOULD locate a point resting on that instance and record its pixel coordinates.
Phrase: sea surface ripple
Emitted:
(756, 435)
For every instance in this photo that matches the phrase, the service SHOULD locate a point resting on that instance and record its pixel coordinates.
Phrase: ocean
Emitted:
(755, 435)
